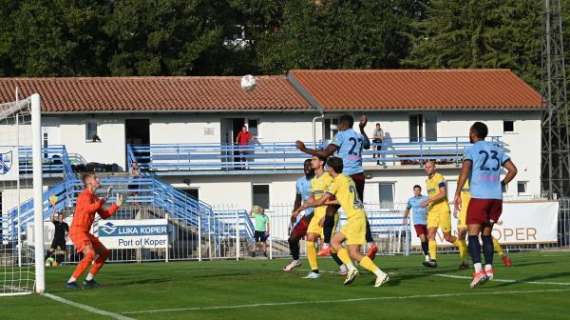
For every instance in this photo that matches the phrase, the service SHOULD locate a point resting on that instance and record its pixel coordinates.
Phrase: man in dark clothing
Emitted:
(57, 249)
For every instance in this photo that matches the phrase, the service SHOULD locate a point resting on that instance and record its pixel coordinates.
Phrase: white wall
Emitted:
(184, 129)
(110, 129)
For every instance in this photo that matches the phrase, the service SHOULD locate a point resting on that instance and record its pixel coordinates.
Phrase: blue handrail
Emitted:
(141, 190)
(279, 156)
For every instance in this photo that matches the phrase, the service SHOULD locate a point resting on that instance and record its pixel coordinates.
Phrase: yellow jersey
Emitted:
(319, 185)
(344, 190)
(433, 184)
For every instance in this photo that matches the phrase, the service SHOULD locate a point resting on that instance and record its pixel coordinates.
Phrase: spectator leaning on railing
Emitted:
(378, 139)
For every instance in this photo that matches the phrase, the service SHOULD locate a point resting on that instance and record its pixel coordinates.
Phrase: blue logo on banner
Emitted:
(5, 162)
(111, 230)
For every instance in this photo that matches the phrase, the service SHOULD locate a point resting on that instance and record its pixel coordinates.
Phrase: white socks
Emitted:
(89, 277)
(478, 267)
(71, 279)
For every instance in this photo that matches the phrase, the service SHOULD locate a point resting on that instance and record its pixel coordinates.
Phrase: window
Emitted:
(416, 127)
(331, 128)
(193, 192)
(508, 126)
(423, 127)
(431, 127)
(261, 195)
(521, 187)
(386, 190)
(91, 131)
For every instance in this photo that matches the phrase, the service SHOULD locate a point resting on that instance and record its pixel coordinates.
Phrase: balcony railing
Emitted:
(282, 157)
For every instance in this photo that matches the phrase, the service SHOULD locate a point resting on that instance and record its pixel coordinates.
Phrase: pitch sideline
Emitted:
(87, 308)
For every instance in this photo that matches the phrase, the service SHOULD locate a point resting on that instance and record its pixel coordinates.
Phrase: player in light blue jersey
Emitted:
(349, 145)
(300, 224)
(419, 217)
(482, 164)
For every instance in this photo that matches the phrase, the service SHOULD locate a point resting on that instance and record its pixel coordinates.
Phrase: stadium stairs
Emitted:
(146, 197)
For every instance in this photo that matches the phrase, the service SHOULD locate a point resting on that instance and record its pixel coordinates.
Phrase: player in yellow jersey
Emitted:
(462, 230)
(353, 233)
(439, 215)
(319, 185)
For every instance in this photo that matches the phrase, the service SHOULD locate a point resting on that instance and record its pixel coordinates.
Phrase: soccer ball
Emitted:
(50, 262)
(248, 82)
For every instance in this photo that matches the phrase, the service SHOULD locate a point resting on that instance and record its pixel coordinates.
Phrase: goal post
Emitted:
(21, 198)
(37, 178)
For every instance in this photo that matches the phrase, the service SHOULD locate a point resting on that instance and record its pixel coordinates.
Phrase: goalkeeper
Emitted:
(93, 250)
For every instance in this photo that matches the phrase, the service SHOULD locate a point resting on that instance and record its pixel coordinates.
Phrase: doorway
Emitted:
(137, 132)
(230, 127)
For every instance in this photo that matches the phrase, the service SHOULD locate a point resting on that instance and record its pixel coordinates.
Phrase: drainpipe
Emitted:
(322, 116)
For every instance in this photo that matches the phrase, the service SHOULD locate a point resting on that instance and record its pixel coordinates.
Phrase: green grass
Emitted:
(142, 287)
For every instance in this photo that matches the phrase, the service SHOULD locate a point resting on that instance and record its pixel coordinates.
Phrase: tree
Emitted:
(45, 38)
(170, 37)
(480, 34)
(337, 34)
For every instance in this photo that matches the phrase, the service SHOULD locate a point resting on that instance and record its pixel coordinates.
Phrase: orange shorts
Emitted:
(81, 240)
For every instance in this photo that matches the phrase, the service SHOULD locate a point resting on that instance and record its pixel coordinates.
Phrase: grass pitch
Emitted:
(536, 287)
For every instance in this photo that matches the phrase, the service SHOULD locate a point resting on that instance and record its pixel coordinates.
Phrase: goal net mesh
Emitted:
(16, 249)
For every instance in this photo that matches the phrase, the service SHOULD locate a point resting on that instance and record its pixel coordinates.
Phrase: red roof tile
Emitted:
(456, 89)
(136, 94)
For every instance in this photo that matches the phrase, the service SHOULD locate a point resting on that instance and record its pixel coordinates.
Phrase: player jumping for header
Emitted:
(87, 205)
(343, 189)
(349, 144)
(483, 162)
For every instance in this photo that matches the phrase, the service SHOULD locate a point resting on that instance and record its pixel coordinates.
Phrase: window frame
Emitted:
(380, 202)
(96, 124)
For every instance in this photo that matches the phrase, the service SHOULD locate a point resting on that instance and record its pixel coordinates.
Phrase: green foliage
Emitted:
(195, 37)
(480, 34)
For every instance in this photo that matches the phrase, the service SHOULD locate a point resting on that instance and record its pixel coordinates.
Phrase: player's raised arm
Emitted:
(361, 126)
(106, 213)
(327, 152)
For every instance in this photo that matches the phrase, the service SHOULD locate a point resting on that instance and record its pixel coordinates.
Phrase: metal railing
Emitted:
(141, 191)
(284, 156)
(55, 161)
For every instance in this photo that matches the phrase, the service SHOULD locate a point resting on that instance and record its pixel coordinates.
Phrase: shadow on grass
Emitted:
(541, 277)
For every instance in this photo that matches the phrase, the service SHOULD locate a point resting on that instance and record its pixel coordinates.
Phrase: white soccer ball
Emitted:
(248, 82)
(50, 262)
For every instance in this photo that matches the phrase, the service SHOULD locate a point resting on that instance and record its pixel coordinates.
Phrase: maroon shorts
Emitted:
(300, 229)
(420, 229)
(359, 181)
(483, 211)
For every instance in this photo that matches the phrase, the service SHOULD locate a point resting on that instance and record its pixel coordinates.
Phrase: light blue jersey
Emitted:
(487, 159)
(349, 144)
(303, 188)
(418, 213)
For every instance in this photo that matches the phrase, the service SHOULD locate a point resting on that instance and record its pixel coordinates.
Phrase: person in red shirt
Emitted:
(88, 204)
(243, 139)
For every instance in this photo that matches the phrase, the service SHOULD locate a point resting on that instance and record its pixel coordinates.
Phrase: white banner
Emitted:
(523, 222)
(8, 163)
(133, 234)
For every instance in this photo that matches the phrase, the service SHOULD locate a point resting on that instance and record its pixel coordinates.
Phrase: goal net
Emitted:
(20, 198)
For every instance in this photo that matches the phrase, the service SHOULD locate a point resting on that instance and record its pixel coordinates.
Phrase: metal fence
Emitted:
(227, 234)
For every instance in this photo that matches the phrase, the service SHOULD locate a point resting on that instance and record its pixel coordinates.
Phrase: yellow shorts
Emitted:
(314, 226)
(439, 219)
(355, 230)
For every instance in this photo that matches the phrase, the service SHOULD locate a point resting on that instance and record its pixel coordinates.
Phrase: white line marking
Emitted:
(87, 308)
(506, 280)
(274, 304)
